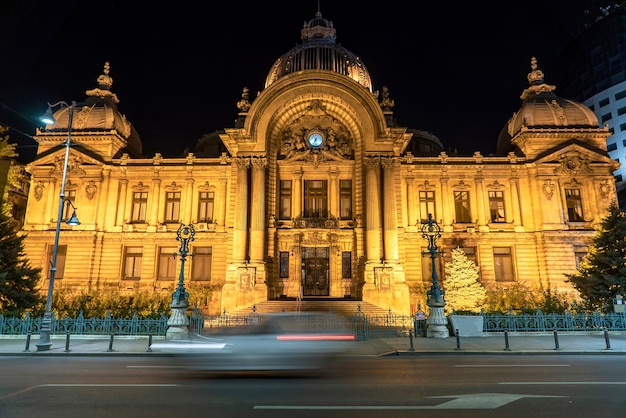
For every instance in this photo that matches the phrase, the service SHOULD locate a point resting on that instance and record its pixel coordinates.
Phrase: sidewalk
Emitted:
(516, 343)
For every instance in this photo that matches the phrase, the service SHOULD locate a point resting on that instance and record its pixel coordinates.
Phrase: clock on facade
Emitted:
(315, 139)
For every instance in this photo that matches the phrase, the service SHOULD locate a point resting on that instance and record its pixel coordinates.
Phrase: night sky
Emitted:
(456, 71)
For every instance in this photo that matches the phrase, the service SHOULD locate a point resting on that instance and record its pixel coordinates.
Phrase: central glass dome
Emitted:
(319, 51)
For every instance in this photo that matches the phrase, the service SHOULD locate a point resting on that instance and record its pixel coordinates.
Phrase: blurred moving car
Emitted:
(303, 341)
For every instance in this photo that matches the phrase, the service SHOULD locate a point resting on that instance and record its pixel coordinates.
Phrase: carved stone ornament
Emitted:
(573, 163)
(91, 189)
(332, 140)
(548, 188)
(605, 189)
(39, 188)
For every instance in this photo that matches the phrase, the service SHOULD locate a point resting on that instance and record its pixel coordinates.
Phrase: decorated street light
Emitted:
(436, 323)
(178, 323)
(44, 332)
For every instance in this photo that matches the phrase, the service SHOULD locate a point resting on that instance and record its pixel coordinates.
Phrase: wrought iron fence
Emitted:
(539, 321)
(364, 326)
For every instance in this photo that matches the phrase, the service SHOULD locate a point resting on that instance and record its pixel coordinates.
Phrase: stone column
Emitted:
(390, 214)
(220, 205)
(154, 217)
(372, 210)
(257, 210)
(517, 214)
(483, 217)
(412, 204)
(122, 202)
(187, 201)
(333, 194)
(296, 210)
(240, 227)
(446, 200)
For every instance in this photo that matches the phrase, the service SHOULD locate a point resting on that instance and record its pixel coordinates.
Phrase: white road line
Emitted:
(562, 383)
(107, 385)
(512, 365)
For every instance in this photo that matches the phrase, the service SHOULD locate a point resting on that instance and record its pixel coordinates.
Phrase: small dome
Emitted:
(542, 109)
(422, 144)
(98, 112)
(319, 51)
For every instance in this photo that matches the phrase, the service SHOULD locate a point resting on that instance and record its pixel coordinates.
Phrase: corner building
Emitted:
(317, 192)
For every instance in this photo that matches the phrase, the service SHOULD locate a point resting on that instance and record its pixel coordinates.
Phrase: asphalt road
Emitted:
(482, 386)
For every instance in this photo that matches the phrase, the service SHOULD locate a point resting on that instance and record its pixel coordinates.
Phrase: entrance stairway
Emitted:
(343, 307)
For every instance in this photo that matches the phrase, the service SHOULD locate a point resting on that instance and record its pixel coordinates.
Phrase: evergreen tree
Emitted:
(464, 292)
(602, 273)
(18, 280)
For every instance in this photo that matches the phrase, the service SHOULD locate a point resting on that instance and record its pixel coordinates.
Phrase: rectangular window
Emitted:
(462, 207)
(315, 199)
(470, 253)
(574, 205)
(166, 268)
(346, 265)
(580, 251)
(68, 210)
(60, 265)
(496, 206)
(606, 117)
(604, 102)
(132, 262)
(285, 200)
(284, 264)
(140, 206)
(206, 204)
(172, 207)
(611, 147)
(503, 264)
(427, 205)
(621, 110)
(201, 263)
(345, 199)
(620, 95)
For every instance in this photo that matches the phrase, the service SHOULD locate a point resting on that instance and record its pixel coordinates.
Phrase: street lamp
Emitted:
(178, 323)
(44, 332)
(437, 323)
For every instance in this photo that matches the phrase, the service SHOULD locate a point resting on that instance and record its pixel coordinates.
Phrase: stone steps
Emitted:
(347, 308)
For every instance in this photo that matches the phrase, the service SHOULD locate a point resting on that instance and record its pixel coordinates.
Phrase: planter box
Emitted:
(468, 325)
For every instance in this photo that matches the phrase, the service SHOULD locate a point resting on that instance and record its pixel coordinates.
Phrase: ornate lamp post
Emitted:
(44, 332)
(436, 323)
(178, 323)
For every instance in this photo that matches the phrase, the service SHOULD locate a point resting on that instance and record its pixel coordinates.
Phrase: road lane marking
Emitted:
(512, 365)
(107, 385)
(467, 401)
(562, 383)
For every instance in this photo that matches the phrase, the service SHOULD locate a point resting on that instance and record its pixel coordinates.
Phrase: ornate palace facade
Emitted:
(318, 192)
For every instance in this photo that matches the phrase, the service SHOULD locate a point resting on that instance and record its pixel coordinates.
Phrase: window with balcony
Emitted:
(462, 207)
(140, 207)
(172, 207)
(345, 199)
(315, 199)
(496, 206)
(284, 211)
(574, 205)
(206, 205)
(427, 204)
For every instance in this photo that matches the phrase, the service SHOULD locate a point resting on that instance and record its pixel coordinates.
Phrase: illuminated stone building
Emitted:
(318, 192)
